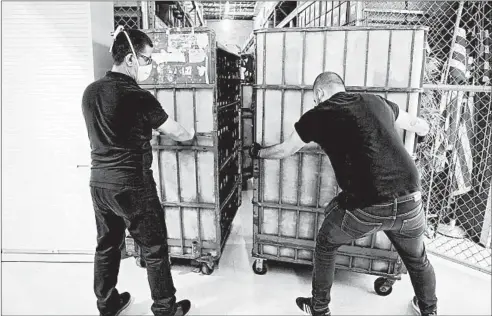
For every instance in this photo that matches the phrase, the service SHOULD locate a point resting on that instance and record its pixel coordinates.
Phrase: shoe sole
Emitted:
(124, 307)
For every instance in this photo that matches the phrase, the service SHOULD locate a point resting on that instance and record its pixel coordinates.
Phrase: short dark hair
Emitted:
(121, 47)
(328, 78)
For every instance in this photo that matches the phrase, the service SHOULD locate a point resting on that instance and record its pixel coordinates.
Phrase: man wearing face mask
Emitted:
(379, 181)
(120, 117)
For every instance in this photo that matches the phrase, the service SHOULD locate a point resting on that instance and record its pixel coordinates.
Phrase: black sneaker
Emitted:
(125, 300)
(416, 308)
(304, 303)
(183, 308)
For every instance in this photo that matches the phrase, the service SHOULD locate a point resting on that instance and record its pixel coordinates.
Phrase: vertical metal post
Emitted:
(274, 13)
(178, 180)
(197, 187)
(412, 48)
(332, 10)
(373, 243)
(263, 114)
(325, 13)
(388, 65)
(318, 179)
(299, 175)
(367, 58)
(261, 175)
(144, 9)
(344, 53)
(159, 167)
(282, 116)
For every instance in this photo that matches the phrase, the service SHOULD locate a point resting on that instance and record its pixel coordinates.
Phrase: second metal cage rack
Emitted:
(197, 82)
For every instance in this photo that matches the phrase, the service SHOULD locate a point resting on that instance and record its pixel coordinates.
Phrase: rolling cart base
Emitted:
(383, 285)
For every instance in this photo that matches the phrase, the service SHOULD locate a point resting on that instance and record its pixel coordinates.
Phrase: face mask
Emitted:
(143, 72)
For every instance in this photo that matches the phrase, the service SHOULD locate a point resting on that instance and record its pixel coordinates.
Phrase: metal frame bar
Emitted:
(282, 115)
(348, 88)
(466, 88)
(179, 86)
(187, 148)
(412, 50)
(290, 207)
(300, 155)
(197, 187)
(188, 204)
(178, 178)
(343, 28)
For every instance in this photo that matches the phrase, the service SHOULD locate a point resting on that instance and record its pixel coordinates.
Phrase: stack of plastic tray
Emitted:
(247, 114)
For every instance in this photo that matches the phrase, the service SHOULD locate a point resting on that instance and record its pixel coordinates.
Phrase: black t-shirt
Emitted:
(120, 116)
(357, 133)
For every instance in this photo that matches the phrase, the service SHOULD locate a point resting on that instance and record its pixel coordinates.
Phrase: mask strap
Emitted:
(114, 35)
(118, 30)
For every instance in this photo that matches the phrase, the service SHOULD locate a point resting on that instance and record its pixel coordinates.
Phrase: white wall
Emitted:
(48, 60)
(102, 24)
(231, 32)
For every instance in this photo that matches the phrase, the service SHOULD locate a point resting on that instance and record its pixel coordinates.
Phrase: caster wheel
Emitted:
(205, 269)
(381, 287)
(259, 267)
(140, 262)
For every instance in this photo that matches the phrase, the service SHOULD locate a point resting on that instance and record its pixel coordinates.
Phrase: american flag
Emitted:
(457, 108)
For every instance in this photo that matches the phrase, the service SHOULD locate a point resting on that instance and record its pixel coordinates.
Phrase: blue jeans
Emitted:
(139, 210)
(403, 221)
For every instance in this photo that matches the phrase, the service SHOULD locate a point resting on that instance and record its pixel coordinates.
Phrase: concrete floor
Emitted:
(66, 288)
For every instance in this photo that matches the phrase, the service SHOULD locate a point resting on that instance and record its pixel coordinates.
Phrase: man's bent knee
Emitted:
(324, 244)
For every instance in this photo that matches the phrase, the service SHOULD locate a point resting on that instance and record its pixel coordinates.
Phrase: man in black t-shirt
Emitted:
(120, 116)
(379, 181)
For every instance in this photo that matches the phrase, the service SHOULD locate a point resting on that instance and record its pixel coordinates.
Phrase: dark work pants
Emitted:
(403, 221)
(140, 211)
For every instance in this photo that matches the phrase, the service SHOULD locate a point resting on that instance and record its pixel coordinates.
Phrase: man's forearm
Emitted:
(278, 151)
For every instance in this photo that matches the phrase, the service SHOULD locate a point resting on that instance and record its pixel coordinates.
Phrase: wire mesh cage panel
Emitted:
(290, 194)
(199, 184)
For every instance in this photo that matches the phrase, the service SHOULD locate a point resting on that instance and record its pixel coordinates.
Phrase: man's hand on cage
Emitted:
(254, 150)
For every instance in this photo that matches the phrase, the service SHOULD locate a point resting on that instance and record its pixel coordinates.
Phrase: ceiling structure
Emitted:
(235, 10)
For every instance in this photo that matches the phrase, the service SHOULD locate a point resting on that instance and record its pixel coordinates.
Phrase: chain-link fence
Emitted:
(128, 14)
(455, 160)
